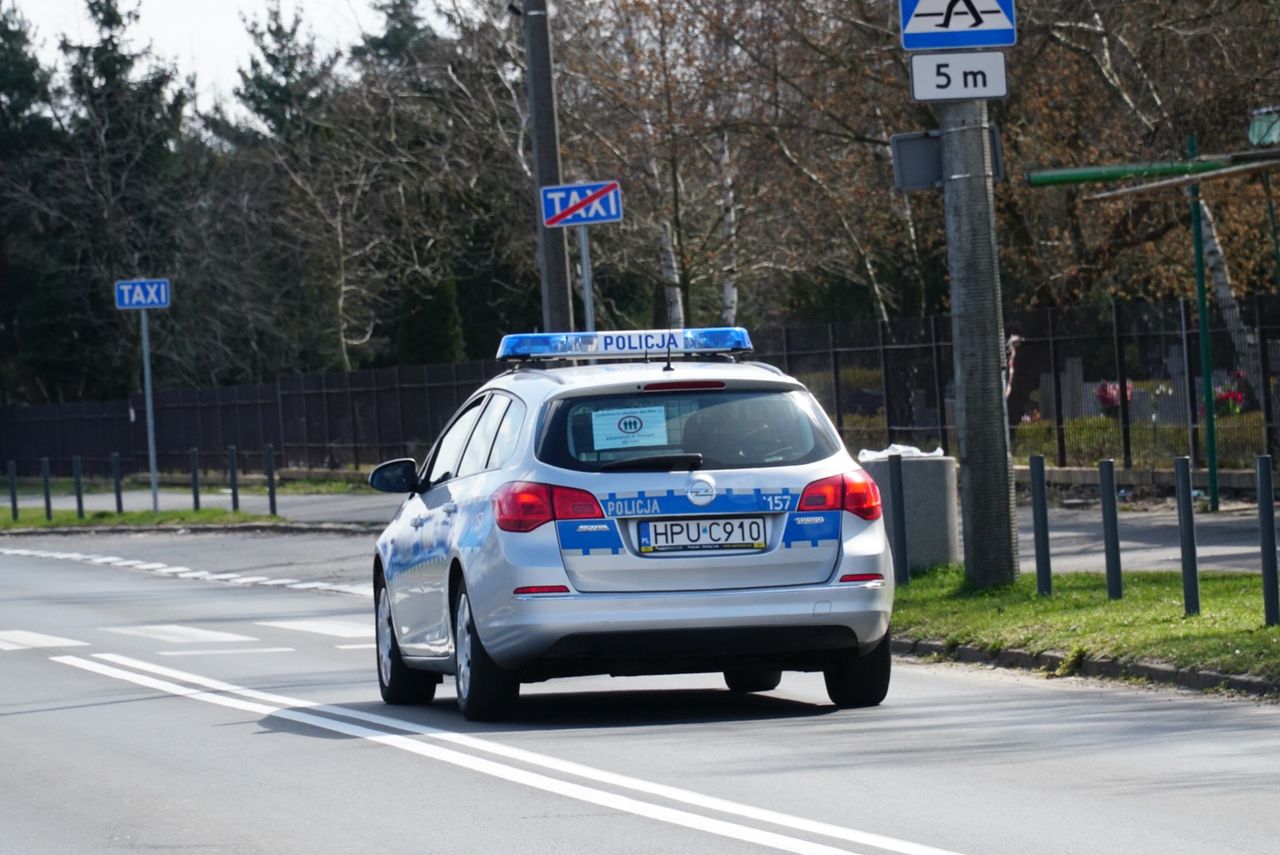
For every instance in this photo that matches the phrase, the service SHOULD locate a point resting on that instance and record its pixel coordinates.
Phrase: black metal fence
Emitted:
(1090, 382)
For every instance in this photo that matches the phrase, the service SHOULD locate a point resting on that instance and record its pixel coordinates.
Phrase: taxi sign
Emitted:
(142, 294)
(581, 204)
(633, 343)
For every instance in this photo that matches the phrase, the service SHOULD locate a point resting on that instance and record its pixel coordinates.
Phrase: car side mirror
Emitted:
(395, 476)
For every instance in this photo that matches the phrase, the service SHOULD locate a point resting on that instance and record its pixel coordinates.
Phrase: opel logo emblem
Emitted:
(702, 489)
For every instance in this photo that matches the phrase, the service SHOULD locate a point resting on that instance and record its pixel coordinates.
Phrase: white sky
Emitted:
(204, 37)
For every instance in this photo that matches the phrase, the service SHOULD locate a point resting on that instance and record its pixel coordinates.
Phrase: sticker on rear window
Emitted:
(633, 428)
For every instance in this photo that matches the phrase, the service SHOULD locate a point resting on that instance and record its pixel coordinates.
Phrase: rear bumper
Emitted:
(677, 632)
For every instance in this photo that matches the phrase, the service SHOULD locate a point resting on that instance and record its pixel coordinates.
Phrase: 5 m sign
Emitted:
(963, 76)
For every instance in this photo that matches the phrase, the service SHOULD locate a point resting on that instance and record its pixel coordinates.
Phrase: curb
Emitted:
(1052, 661)
(242, 528)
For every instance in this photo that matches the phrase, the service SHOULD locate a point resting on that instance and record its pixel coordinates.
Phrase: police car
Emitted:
(664, 508)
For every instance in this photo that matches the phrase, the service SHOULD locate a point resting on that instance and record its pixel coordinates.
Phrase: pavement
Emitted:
(1227, 540)
(147, 712)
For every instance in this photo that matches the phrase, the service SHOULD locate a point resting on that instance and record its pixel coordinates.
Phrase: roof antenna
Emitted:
(668, 365)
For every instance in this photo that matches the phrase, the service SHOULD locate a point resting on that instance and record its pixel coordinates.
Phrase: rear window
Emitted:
(730, 429)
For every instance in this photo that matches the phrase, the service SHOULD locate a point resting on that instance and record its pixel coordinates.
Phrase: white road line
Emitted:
(107, 559)
(20, 639)
(336, 627)
(358, 590)
(172, 633)
(154, 565)
(128, 562)
(689, 797)
(234, 651)
(194, 574)
(355, 646)
(279, 582)
(492, 768)
(221, 577)
(309, 586)
(167, 570)
(249, 580)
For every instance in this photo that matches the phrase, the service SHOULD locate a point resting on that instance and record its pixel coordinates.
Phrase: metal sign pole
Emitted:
(151, 424)
(588, 290)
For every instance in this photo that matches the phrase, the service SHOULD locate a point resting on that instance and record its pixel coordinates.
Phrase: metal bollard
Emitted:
(233, 477)
(1110, 527)
(195, 479)
(1267, 539)
(13, 488)
(77, 479)
(1040, 521)
(901, 569)
(44, 476)
(269, 466)
(115, 481)
(1187, 536)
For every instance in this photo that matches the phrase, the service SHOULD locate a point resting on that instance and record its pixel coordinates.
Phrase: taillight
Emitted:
(522, 506)
(861, 495)
(525, 505)
(862, 577)
(571, 504)
(853, 491)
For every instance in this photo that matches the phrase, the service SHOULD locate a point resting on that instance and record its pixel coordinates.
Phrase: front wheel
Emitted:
(486, 690)
(397, 682)
(859, 681)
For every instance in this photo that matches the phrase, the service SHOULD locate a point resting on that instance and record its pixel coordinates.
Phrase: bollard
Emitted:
(13, 488)
(901, 569)
(76, 477)
(195, 479)
(1110, 527)
(1267, 539)
(115, 481)
(1187, 536)
(44, 476)
(1040, 521)
(232, 478)
(269, 466)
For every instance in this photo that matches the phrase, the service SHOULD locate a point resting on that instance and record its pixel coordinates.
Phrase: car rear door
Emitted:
(733, 522)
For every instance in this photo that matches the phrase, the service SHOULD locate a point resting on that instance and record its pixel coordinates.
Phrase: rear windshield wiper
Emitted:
(657, 463)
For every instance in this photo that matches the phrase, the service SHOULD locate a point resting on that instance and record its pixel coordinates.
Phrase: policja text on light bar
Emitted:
(633, 343)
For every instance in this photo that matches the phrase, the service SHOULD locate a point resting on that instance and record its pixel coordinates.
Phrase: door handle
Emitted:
(418, 522)
(449, 508)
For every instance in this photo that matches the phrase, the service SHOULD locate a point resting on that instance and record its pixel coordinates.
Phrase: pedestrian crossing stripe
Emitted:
(934, 24)
(21, 639)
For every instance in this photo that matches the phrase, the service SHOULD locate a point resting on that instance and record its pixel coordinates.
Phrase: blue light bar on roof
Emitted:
(636, 343)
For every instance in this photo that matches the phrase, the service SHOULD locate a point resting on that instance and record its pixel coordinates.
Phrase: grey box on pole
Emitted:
(930, 498)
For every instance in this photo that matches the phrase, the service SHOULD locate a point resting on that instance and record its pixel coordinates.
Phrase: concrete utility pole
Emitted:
(978, 346)
(553, 253)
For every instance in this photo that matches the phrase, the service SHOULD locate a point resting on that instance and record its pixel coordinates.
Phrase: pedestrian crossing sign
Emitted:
(934, 24)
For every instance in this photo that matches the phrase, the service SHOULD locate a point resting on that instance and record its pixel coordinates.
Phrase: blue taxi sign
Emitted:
(142, 294)
(633, 343)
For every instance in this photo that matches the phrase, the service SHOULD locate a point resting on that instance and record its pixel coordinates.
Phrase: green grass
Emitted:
(1148, 623)
(34, 518)
(308, 487)
(1092, 438)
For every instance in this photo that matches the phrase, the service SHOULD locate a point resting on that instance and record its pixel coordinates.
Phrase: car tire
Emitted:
(486, 691)
(746, 680)
(397, 682)
(859, 680)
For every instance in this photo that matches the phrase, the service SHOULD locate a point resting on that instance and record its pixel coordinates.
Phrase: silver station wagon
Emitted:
(664, 509)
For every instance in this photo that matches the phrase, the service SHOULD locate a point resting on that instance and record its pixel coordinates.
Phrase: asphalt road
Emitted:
(146, 711)
(1148, 539)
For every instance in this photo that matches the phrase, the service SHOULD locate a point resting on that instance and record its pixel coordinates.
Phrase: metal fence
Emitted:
(1090, 382)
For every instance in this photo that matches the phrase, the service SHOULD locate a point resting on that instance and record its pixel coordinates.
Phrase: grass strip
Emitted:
(34, 518)
(1146, 624)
